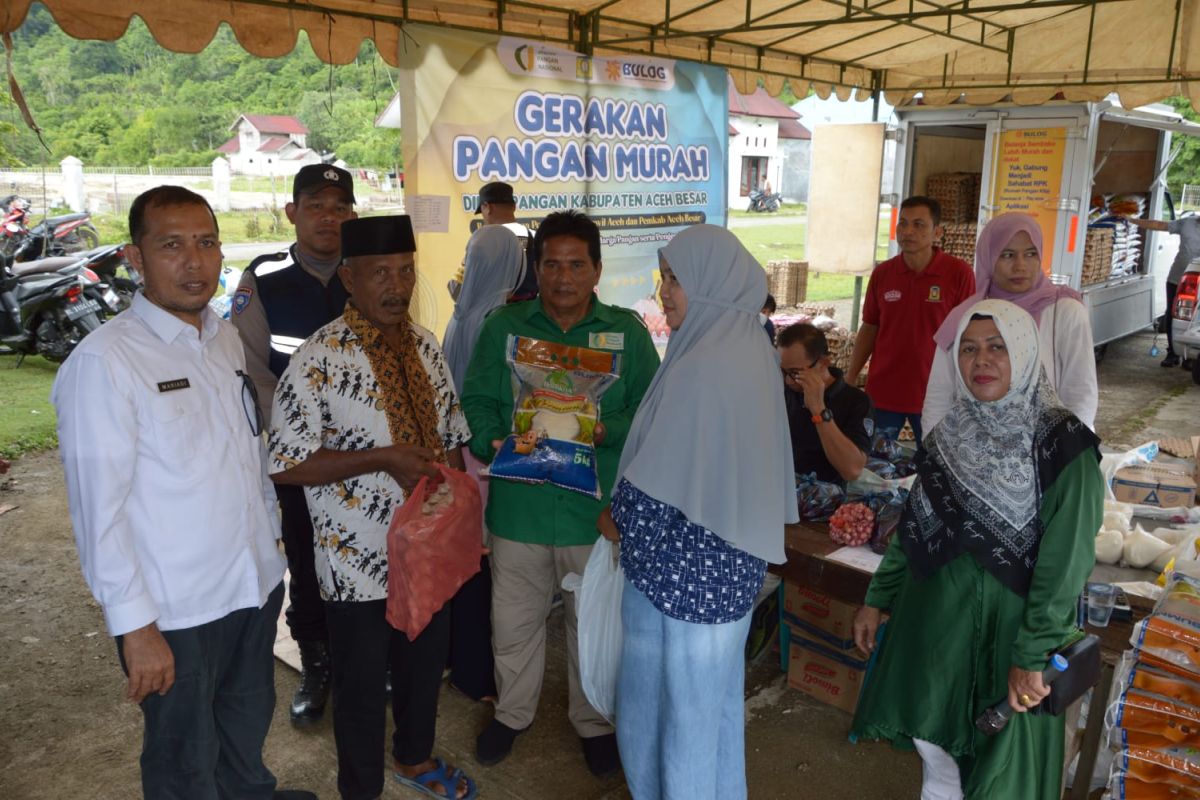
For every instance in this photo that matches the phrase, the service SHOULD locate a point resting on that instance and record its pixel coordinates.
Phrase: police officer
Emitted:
(281, 300)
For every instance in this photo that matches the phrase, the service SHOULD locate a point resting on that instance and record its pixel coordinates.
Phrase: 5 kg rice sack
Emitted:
(556, 405)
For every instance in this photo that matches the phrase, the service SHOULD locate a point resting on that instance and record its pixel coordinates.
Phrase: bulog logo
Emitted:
(643, 71)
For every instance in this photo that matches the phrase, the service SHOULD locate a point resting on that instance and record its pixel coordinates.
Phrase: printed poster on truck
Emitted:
(637, 143)
(1029, 176)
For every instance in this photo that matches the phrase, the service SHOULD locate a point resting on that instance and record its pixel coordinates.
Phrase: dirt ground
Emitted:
(66, 733)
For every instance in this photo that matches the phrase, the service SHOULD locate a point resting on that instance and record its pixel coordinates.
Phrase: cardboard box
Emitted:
(1163, 485)
(816, 615)
(832, 676)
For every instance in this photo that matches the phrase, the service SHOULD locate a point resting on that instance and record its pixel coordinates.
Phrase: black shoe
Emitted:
(1171, 360)
(495, 743)
(308, 703)
(601, 754)
(293, 794)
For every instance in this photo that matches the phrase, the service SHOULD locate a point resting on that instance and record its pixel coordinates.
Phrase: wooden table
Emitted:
(807, 546)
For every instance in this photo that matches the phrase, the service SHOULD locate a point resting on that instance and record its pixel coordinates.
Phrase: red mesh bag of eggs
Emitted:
(852, 525)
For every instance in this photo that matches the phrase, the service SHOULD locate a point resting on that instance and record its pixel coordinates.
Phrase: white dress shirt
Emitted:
(1067, 354)
(174, 514)
(328, 397)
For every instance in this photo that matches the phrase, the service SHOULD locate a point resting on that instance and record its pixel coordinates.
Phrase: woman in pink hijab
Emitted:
(1008, 266)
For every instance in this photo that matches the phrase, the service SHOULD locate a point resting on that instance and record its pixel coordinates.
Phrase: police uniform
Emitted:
(280, 301)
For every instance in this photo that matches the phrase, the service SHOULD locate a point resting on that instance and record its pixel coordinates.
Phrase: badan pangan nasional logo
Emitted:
(523, 55)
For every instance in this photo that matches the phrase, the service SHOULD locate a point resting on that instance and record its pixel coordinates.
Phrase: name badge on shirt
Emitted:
(171, 386)
(891, 296)
(935, 294)
(607, 340)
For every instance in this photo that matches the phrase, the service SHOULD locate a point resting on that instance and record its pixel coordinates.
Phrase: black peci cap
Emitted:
(315, 177)
(495, 192)
(378, 236)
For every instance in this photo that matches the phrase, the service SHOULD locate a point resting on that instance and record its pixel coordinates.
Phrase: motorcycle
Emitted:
(762, 202)
(53, 236)
(106, 264)
(49, 305)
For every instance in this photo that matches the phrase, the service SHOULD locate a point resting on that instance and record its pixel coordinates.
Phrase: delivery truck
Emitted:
(1081, 168)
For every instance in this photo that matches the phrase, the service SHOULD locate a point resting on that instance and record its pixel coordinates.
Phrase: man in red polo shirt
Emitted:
(908, 297)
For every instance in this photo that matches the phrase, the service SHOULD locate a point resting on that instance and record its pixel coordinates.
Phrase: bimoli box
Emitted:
(1155, 485)
(818, 616)
(826, 674)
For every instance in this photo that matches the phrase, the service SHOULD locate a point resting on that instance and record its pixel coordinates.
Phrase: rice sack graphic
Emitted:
(556, 405)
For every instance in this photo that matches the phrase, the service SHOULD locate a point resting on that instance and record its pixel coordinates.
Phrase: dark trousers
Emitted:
(472, 668)
(1172, 288)
(894, 421)
(203, 739)
(305, 613)
(362, 645)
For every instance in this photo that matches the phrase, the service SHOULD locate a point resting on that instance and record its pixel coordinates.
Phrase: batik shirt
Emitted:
(328, 397)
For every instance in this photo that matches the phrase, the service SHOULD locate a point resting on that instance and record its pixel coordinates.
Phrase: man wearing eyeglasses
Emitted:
(830, 420)
(173, 512)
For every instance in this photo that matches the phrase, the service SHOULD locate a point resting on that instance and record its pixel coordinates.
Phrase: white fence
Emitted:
(1190, 199)
(111, 189)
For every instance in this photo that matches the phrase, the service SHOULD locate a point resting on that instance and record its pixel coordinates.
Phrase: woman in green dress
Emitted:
(984, 573)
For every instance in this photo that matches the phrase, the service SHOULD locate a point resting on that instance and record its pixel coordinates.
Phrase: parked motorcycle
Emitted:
(111, 268)
(53, 236)
(49, 305)
(762, 202)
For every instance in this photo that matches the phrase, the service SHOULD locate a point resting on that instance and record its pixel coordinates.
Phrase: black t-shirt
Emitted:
(851, 409)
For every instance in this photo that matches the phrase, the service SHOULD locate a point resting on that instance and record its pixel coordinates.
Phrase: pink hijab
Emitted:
(995, 237)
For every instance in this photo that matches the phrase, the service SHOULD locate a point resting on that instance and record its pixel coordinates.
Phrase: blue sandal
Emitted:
(442, 773)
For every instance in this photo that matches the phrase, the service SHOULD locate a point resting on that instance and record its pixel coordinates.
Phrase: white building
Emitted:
(268, 145)
(758, 149)
(831, 111)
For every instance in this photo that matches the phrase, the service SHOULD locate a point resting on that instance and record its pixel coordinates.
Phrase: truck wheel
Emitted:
(1196, 370)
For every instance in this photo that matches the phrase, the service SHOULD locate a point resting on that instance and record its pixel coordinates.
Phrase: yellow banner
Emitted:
(1028, 178)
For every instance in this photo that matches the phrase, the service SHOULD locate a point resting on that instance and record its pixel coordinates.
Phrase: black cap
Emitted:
(378, 236)
(315, 177)
(494, 192)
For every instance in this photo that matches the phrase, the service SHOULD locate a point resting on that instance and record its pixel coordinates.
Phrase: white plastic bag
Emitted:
(598, 605)
(1111, 462)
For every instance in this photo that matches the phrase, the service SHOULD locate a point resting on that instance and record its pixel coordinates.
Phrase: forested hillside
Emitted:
(132, 103)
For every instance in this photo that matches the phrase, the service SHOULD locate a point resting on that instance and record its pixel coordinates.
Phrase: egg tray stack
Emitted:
(959, 240)
(957, 193)
(787, 281)
(841, 346)
(1097, 256)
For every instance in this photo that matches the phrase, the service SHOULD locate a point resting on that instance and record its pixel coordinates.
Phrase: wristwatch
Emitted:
(825, 416)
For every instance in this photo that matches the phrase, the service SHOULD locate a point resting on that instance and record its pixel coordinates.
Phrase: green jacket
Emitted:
(546, 514)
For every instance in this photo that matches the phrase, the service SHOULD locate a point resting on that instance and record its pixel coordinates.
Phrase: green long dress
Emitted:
(952, 638)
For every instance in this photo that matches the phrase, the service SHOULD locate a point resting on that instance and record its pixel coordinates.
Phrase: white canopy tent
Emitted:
(974, 51)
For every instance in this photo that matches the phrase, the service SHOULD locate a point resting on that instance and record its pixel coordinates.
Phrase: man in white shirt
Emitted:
(497, 205)
(1188, 231)
(173, 512)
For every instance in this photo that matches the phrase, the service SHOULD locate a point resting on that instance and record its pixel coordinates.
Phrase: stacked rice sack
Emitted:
(1111, 214)
(1153, 717)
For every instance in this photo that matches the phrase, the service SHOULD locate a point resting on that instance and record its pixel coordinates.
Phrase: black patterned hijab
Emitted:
(987, 464)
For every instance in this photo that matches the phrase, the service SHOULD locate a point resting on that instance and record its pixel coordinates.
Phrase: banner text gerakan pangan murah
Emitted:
(631, 144)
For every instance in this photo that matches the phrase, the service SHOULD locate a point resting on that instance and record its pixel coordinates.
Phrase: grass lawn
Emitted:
(26, 416)
(786, 241)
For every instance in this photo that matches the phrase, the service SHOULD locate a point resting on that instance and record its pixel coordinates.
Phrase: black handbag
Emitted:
(1083, 672)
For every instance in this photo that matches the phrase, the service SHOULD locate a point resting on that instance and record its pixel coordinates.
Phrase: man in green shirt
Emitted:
(542, 532)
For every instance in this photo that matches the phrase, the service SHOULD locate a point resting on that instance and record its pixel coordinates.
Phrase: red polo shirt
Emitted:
(909, 307)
